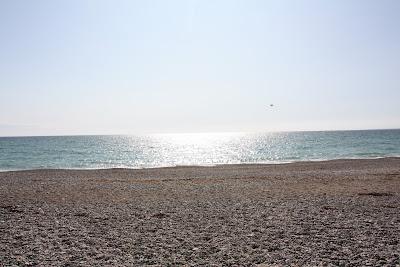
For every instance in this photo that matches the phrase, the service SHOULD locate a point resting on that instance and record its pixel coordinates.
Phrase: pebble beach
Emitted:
(331, 213)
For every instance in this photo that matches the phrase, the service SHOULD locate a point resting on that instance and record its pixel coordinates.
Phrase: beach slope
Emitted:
(341, 212)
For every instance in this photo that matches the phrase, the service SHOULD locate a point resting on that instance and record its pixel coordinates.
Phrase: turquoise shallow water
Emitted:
(91, 152)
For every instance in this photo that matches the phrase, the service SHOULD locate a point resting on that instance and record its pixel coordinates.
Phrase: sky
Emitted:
(134, 67)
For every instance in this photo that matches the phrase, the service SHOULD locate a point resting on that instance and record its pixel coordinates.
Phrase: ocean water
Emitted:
(147, 151)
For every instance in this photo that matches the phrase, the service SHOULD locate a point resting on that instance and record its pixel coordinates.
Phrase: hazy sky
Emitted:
(94, 67)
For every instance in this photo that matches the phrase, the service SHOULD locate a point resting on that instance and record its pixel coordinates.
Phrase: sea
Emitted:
(199, 149)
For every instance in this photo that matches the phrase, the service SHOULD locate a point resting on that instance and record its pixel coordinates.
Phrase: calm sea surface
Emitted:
(88, 152)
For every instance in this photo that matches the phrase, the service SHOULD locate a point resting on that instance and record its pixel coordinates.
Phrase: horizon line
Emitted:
(210, 132)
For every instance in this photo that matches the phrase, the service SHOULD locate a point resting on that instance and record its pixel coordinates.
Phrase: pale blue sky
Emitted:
(132, 67)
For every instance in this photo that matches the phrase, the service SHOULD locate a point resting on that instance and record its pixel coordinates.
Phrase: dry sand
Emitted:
(338, 213)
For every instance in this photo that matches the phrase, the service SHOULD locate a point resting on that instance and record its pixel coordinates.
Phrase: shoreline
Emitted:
(207, 165)
(338, 212)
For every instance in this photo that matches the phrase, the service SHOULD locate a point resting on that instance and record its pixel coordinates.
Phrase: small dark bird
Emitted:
(271, 105)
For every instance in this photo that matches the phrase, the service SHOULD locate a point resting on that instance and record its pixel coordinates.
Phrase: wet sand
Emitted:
(338, 213)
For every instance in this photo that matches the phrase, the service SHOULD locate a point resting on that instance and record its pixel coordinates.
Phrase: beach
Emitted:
(337, 213)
